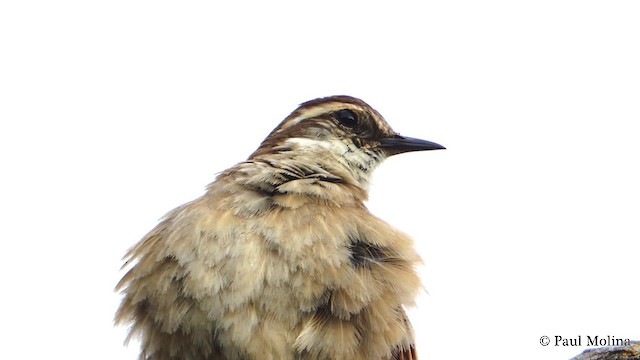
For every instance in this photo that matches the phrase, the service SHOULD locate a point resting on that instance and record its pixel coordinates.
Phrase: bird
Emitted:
(280, 259)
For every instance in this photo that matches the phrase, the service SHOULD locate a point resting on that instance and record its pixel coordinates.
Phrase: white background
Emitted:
(114, 112)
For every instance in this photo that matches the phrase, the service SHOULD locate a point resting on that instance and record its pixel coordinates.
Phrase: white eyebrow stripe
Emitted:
(318, 110)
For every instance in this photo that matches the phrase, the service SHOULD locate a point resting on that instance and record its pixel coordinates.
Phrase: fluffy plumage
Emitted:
(280, 259)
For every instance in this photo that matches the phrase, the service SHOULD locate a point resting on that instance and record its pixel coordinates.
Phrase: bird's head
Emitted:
(340, 134)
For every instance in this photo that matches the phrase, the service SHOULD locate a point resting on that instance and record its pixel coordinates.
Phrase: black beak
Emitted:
(401, 144)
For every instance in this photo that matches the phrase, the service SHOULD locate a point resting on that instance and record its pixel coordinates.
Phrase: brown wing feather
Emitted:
(405, 354)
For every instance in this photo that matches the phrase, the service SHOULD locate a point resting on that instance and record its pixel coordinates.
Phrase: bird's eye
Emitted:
(347, 117)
